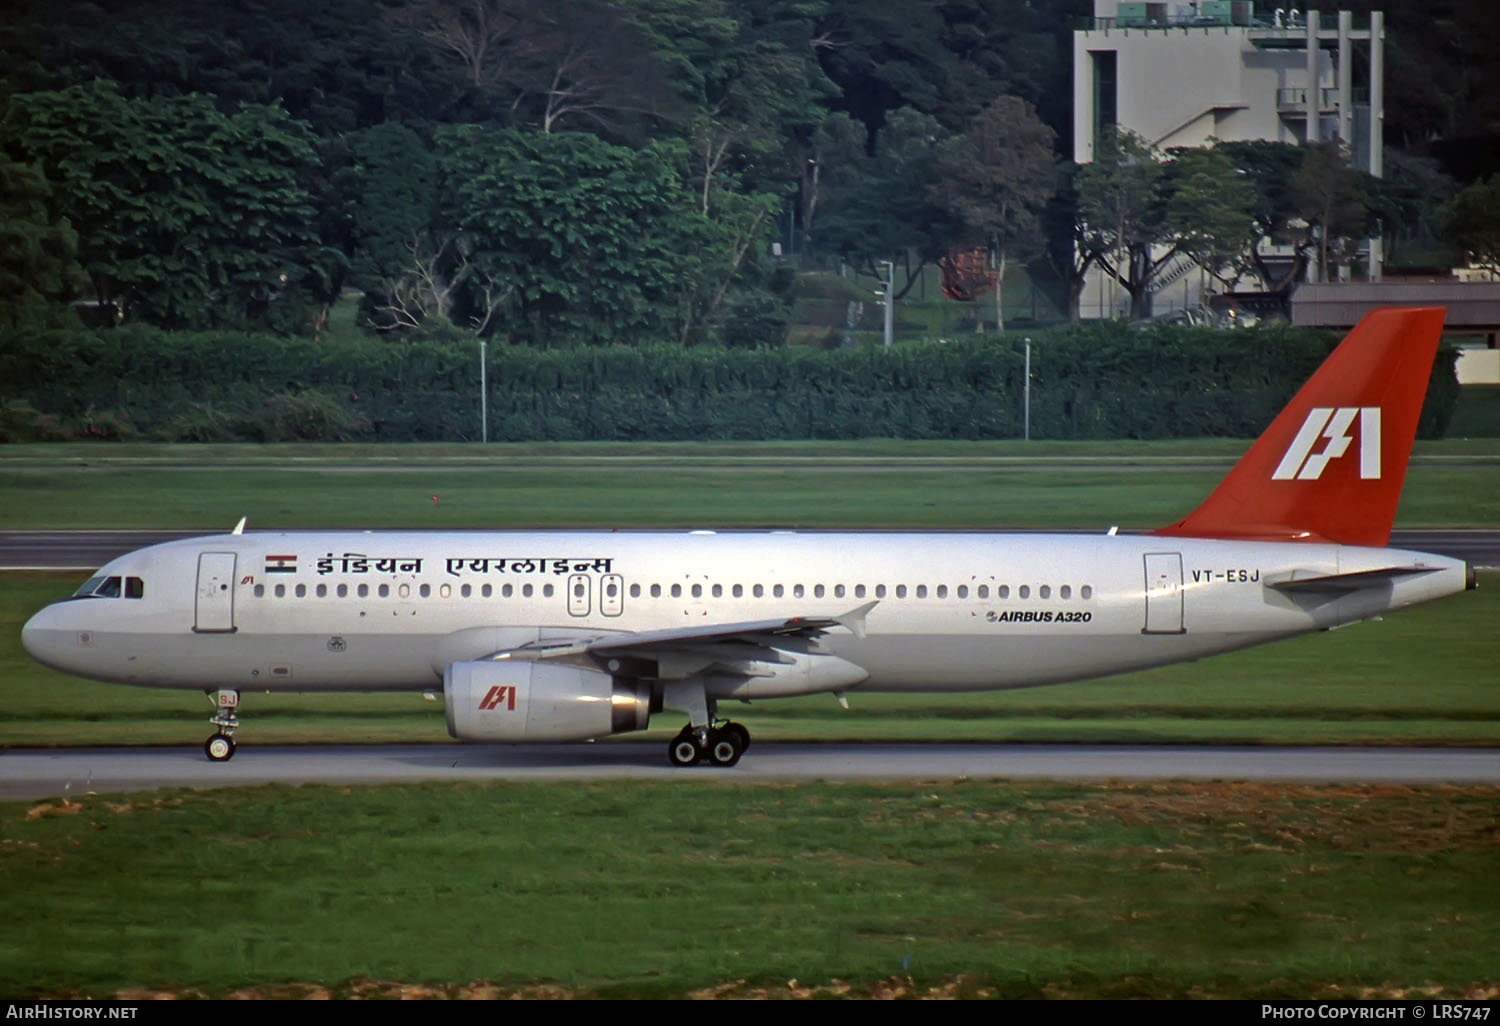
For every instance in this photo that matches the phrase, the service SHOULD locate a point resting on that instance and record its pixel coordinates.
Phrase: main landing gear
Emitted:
(220, 745)
(722, 744)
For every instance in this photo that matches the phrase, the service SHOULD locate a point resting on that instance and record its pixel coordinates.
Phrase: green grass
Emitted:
(1422, 676)
(675, 889)
(875, 484)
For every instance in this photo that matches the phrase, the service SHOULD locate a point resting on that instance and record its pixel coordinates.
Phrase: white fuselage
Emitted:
(952, 611)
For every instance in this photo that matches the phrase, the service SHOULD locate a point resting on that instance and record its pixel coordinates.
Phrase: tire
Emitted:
(683, 751)
(219, 748)
(724, 747)
(744, 736)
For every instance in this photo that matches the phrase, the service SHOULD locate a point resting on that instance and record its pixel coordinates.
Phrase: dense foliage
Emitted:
(607, 170)
(1095, 381)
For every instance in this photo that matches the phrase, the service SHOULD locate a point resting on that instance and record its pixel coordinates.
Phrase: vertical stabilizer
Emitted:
(1330, 466)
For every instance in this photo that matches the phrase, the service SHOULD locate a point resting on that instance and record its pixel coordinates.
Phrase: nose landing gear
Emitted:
(220, 745)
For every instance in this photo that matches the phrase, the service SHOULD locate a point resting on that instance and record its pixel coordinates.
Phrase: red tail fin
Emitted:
(1330, 466)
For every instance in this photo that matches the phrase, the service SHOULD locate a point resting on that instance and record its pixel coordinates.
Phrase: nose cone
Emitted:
(44, 636)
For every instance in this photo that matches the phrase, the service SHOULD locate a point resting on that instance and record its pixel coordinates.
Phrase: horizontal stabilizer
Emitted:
(1325, 583)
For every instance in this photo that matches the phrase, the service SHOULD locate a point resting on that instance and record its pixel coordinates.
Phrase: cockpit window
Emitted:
(88, 587)
(112, 587)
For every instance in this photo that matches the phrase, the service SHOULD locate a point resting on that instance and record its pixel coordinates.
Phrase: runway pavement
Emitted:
(87, 550)
(41, 773)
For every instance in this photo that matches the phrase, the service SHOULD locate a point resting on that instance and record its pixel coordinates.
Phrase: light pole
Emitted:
(1026, 395)
(890, 300)
(484, 397)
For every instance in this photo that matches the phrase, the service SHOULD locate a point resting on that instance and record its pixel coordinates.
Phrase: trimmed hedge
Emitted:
(1107, 380)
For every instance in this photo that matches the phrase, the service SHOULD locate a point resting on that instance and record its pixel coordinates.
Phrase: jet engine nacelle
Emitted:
(518, 700)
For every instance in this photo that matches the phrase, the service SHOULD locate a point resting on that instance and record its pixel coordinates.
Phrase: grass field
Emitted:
(875, 484)
(704, 889)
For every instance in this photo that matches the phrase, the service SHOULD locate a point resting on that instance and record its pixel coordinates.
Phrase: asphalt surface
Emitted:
(88, 550)
(42, 773)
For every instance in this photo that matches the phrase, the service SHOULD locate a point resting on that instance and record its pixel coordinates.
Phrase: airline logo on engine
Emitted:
(1332, 426)
(496, 696)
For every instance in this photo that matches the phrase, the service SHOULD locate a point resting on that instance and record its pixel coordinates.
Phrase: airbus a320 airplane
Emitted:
(557, 636)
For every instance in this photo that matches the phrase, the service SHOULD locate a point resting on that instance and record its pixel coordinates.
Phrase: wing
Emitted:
(761, 633)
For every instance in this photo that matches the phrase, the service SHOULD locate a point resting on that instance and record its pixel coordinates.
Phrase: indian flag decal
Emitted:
(281, 564)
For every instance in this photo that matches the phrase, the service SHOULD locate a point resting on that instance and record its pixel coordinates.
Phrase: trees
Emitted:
(1117, 202)
(1138, 213)
(393, 200)
(186, 217)
(1328, 194)
(593, 237)
(39, 271)
(579, 62)
(995, 178)
(1472, 223)
(1209, 213)
(882, 207)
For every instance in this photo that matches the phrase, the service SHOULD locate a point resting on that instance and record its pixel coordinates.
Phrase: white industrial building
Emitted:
(1182, 74)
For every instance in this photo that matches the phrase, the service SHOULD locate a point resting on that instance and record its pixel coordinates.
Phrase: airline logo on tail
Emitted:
(1332, 424)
